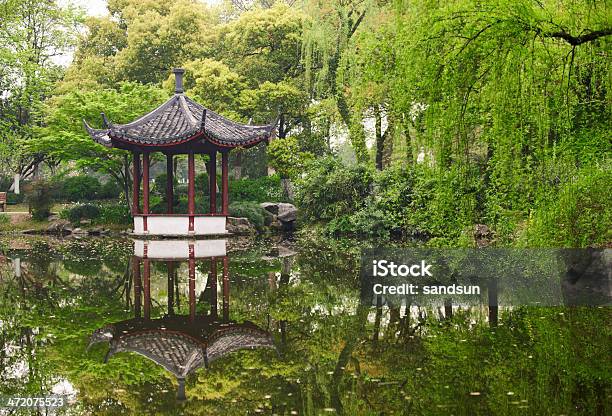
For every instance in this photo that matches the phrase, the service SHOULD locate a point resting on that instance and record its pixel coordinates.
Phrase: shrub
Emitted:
(250, 210)
(262, 189)
(443, 203)
(81, 212)
(109, 190)
(114, 214)
(160, 186)
(579, 217)
(40, 199)
(201, 184)
(12, 198)
(4, 219)
(332, 190)
(81, 188)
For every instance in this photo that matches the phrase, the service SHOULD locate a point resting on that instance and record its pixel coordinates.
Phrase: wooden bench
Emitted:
(3, 201)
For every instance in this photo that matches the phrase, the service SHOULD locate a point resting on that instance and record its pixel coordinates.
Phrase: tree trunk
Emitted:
(380, 140)
(352, 119)
(287, 188)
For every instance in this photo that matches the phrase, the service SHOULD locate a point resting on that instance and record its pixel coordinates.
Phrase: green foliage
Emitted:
(250, 210)
(4, 219)
(81, 188)
(444, 204)
(201, 184)
(32, 32)
(118, 214)
(285, 156)
(332, 191)
(80, 212)
(161, 181)
(579, 216)
(110, 190)
(262, 189)
(40, 199)
(64, 138)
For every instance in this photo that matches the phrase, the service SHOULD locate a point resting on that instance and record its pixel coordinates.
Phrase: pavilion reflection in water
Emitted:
(181, 343)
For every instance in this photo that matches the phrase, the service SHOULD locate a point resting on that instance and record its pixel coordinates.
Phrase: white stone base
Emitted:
(178, 225)
(179, 249)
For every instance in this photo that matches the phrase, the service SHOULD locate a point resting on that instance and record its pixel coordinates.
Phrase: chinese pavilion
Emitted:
(180, 126)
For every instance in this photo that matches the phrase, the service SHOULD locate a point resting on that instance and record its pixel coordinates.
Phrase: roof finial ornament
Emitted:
(178, 80)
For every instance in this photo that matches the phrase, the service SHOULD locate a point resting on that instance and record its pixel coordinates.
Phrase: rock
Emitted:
(240, 226)
(96, 231)
(287, 212)
(85, 222)
(79, 232)
(53, 217)
(29, 232)
(61, 227)
(482, 235)
(271, 207)
(289, 226)
(285, 252)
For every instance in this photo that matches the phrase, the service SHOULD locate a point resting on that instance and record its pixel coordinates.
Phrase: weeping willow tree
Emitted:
(328, 37)
(515, 94)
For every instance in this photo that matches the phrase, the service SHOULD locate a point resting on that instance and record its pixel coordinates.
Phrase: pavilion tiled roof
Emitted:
(178, 120)
(179, 345)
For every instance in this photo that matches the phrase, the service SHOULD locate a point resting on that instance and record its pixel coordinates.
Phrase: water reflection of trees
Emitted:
(336, 353)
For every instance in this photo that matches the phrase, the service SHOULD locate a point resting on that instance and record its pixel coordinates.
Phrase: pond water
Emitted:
(120, 328)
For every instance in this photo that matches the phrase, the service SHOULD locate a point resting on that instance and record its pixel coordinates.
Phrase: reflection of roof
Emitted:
(178, 120)
(179, 345)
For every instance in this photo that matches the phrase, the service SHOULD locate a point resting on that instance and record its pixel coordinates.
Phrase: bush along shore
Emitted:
(246, 218)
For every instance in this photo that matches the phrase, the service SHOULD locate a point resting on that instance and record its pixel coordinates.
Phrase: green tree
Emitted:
(32, 33)
(65, 139)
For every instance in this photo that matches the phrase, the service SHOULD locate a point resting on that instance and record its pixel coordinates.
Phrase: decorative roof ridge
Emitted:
(187, 135)
(185, 110)
(222, 117)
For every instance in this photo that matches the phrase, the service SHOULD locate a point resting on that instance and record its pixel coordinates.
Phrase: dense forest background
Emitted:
(397, 119)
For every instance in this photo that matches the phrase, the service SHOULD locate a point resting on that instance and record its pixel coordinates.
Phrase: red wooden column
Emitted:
(145, 190)
(146, 270)
(213, 286)
(225, 182)
(226, 289)
(137, 285)
(136, 184)
(212, 182)
(192, 297)
(169, 184)
(191, 189)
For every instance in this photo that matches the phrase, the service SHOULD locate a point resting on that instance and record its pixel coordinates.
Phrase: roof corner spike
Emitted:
(105, 121)
(178, 80)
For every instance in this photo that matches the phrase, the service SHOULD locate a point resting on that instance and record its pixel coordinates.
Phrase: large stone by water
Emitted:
(280, 215)
(271, 207)
(61, 227)
(286, 212)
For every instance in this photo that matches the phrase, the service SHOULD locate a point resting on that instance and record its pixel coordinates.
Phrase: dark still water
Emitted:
(231, 327)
